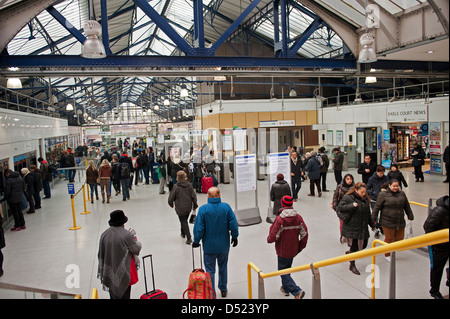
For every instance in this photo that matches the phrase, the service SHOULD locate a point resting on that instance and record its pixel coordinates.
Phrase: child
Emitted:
(394, 173)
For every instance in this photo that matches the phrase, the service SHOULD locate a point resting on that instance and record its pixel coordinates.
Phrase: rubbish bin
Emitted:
(225, 173)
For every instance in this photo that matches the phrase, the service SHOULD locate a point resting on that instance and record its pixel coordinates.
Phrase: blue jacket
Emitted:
(374, 185)
(313, 168)
(215, 220)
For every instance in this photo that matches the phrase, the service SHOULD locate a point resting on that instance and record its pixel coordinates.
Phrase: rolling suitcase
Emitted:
(207, 183)
(155, 293)
(200, 283)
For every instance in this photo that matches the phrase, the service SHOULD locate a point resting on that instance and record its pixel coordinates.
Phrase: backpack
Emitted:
(52, 168)
(320, 160)
(124, 170)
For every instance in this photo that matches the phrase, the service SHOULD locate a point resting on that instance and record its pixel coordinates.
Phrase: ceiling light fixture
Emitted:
(367, 53)
(93, 47)
(14, 83)
(292, 93)
(184, 92)
(69, 107)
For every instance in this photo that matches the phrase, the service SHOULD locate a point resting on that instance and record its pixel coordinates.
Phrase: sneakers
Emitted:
(18, 228)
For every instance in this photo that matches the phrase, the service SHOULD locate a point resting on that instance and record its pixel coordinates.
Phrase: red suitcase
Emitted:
(155, 293)
(207, 183)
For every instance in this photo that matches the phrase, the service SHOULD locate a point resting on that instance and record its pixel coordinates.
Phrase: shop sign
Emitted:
(276, 123)
(407, 113)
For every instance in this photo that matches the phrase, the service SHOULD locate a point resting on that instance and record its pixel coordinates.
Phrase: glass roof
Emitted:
(131, 32)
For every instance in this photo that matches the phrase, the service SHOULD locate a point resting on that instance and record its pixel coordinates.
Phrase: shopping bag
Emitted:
(408, 229)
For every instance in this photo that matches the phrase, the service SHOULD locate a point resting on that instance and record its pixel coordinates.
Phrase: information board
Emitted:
(279, 163)
(245, 171)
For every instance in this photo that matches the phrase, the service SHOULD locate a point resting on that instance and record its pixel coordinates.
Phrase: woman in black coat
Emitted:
(418, 159)
(354, 210)
(279, 189)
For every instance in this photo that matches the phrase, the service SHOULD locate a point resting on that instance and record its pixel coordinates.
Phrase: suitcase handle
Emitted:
(145, 276)
(201, 262)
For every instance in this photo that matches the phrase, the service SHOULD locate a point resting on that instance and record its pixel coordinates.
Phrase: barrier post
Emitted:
(84, 201)
(75, 227)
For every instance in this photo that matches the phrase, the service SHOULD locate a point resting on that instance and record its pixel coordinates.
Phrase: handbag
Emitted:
(193, 217)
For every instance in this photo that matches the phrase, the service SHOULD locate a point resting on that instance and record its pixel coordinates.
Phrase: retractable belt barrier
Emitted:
(72, 199)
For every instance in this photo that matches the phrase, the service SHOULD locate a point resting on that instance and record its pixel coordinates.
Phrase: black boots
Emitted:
(353, 268)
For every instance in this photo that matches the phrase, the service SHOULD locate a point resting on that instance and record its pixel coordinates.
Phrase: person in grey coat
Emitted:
(313, 169)
(279, 189)
(117, 257)
(324, 168)
(185, 199)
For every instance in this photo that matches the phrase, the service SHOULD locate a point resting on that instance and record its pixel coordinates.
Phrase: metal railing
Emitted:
(12, 100)
(433, 238)
(409, 92)
(8, 291)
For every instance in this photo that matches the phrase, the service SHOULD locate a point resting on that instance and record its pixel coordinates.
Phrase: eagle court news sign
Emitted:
(407, 113)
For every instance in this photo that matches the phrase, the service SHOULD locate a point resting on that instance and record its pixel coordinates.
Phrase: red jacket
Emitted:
(289, 233)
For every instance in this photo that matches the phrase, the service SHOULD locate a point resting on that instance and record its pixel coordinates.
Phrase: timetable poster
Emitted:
(245, 172)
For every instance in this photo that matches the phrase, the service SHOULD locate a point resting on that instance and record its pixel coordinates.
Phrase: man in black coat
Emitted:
(14, 188)
(367, 168)
(296, 175)
(338, 162)
(437, 220)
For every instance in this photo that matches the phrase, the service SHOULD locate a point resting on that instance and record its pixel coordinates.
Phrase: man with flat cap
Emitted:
(117, 257)
(214, 224)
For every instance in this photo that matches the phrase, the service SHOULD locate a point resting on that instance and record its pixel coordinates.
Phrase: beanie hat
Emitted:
(287, 201)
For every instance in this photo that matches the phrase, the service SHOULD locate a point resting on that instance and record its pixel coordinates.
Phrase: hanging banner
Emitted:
(245, 171)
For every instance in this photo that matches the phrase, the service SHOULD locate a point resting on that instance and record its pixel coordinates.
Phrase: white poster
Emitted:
(245, 170)
(240, 139)
(279, 163)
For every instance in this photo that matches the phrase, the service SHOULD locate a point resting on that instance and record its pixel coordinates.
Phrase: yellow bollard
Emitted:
(84, 202)
(75, 227)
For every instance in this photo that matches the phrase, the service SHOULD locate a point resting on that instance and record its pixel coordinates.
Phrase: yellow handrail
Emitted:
(376, 241)
(418, 204)
(437, 237)
(94, 293)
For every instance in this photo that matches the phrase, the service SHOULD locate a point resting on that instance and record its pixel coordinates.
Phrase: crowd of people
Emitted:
(376, 203)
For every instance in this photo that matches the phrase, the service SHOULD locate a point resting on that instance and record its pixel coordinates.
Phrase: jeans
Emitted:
(296, 185)
(222, 262)
(287, 283)
(93, 188)
(71, 175)
(146, 174)
(46, 187)
(125, 188)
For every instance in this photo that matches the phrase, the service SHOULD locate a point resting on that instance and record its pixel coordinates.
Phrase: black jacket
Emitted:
(392, 207)
(29, 184)
(438, 219)
(419, 158)
(37, 185)
(277, 191)
(338, 161)
(14, 187)
(356, 219)
(297, 169)
(362, 170)
(184, 198)
(398, 176)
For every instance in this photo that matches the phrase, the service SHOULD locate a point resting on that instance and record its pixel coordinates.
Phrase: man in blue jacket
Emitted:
(215, 220)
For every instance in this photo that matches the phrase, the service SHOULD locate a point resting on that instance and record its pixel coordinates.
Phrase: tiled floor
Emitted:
(47, 252)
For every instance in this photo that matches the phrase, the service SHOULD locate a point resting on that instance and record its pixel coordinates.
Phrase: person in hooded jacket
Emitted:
(354, 210)
(377, 181)
(392, 204)
(37, 185)
(279, 189)
(437, 220)
(14, 187)
(313, 169)
(289, 233)
(185, 200)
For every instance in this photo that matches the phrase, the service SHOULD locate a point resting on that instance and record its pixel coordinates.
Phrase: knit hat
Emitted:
(287, 201)
(117, 218)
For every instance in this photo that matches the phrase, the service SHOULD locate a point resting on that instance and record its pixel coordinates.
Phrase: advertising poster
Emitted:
(245, 170)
